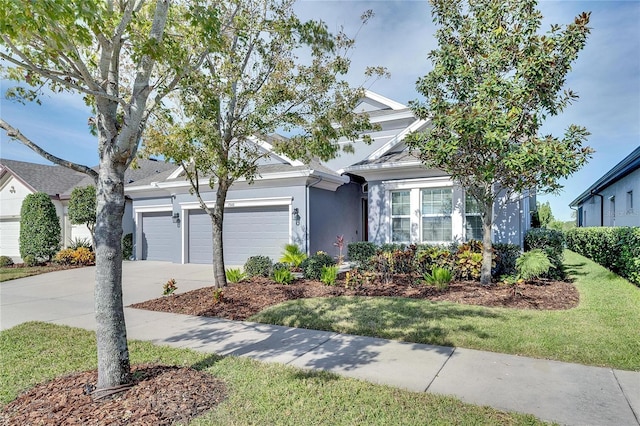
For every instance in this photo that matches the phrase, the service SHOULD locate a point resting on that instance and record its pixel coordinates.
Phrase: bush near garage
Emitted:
(39, 227)
(615, 248)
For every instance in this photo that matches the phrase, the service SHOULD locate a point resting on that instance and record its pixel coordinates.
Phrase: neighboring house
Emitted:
(378, 193)
(613, 199)
(19, 178)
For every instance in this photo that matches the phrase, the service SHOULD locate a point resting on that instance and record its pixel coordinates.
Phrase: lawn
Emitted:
(258, 393)
(13, 273)
(602, 330)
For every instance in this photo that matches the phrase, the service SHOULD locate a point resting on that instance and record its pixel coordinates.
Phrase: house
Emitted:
(19, 178)
(380, 193)
(610, 200)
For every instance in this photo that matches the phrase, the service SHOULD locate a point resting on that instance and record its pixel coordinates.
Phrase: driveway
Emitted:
(67, 296)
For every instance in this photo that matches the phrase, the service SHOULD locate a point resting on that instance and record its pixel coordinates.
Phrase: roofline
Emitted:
(396, 139)
(629, 164)
(6, 169)
(383, 100)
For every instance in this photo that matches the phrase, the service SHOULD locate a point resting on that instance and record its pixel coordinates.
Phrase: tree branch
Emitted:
(14, 133)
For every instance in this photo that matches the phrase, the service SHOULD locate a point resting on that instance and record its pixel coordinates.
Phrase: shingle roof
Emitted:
(43, 178)
(405, 156)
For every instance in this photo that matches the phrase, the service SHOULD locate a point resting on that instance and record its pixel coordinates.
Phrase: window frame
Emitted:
(424, 215)
(403, 216)
(475, 214)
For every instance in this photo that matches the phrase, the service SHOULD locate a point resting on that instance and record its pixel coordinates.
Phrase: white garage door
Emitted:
(248, 231)
(157, 236)
(10, 237)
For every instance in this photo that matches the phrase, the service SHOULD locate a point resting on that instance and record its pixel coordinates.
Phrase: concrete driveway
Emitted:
(66, 297)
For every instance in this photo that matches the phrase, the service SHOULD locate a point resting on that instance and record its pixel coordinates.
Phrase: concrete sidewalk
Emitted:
(562, 392)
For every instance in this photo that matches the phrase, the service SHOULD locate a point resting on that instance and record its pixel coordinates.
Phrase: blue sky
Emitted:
(606, 76)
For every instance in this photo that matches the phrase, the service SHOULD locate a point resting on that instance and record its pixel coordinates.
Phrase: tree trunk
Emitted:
(217, 219)
(487, 252)
(111, 333)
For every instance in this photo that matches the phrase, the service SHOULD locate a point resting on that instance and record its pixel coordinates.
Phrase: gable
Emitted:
(12, 192)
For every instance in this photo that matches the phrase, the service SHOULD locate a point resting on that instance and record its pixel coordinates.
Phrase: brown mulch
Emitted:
(244, 299)
(165, 395)
(162, 395)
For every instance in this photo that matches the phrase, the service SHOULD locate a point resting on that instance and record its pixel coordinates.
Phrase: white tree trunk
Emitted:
(487, 252)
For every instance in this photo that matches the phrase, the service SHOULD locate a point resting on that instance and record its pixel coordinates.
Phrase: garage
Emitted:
(158, 232)
(10, 237)
(248, 231)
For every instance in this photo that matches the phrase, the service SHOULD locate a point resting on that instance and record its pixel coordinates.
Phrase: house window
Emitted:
(473, 220)
(629, 202)
(400, 216)
(437, 205)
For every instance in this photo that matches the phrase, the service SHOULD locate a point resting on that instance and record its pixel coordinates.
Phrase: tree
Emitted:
(121, 58)
(254, 85)
(82, 207)
(39, 227)
(495, 79)
(544, 214)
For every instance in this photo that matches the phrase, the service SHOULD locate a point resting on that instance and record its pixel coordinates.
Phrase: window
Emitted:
(473, 220)
(437, 205)
(400, 216)
(629, 202)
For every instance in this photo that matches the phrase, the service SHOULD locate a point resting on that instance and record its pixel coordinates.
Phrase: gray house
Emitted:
(610, 200)
(378, 193)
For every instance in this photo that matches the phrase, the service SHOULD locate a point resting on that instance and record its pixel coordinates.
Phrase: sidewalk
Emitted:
(566, 393)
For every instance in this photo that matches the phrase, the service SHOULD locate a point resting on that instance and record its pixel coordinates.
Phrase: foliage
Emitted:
(258, 266)
(617, 249)
(39, 227)
(533, 264)
(439, 277)
(82, 206)
(329, 275)
(360, 252)
(355, 278)
(282, 276)
(391, 247)
(30, 260)
(293, 255)
(169, 287)
(468, 260)
(430, 257)
(235, 275)
(218, 295)
(552, 243)
(495, 78)
(382, 264)
(312, 266)
(545, 216)
(340, 244)
(79, 256)
(127, 246)
(505, 259)
(5, 261)
(80, 242)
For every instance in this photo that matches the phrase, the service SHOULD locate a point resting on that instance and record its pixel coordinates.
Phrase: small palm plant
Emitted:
(293, 255)
(532, 264)
(329, 275)
(235, 275)
(439, 277)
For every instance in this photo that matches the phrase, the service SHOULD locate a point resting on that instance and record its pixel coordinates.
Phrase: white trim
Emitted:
(396, 140)
(383, 100)
(269, 148)
(176, 173)
(392, 116)
(137, 219)
(443, 181)
(243, 202)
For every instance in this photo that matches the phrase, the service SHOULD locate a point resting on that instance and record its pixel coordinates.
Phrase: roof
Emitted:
(629, 164)
(58, 180)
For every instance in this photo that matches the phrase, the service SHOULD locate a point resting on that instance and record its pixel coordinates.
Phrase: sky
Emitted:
(606, 77)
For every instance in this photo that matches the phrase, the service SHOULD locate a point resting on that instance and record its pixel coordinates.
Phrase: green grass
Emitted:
(602, 330)
(258, 393)
(7, 274)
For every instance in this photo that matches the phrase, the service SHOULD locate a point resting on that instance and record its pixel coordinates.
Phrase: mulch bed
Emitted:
(244, 299)
(164, 395)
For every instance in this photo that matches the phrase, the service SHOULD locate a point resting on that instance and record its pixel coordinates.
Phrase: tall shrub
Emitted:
(39, 227)
(552, 243)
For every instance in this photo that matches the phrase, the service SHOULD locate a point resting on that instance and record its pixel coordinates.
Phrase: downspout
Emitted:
(593, 193)
(306, 219)
(577, 218)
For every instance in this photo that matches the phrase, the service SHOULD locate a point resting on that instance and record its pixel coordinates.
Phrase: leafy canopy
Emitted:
(82, 206)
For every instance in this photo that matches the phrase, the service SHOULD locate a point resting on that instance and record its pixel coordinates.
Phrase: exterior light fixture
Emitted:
(296, 215)
(176, 218)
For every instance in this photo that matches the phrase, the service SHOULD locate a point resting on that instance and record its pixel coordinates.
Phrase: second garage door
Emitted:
(248, 231)
(157, 232)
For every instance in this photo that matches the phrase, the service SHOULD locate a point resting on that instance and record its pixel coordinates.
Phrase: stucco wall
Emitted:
(616, 204)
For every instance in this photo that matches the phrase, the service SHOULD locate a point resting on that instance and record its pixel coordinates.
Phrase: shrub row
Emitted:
(311, 266)
(617, 249)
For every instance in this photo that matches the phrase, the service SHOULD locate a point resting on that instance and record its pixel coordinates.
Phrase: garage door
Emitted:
(10, 237)
(248, 231)
(157, 236)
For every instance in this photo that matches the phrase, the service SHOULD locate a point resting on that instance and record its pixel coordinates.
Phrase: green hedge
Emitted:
(617, 249)
(552, 243)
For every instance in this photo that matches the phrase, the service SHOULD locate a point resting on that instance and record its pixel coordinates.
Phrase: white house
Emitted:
(612, 200)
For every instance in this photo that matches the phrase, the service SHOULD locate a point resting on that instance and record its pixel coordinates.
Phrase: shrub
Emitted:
(505, 258)
(552, 243)
(329, 275)
(468, 260)
(391, 247)
(430, 257)
(361, 252)
(80, 242)
(283, 276)
(82, 206)
(293, 255)
(533, 264)
(312, 266)
(617, 249)
(169, 287)
(5, 261)
(127, 246)
(39, 227)
(64, 256)
(439, 277)
(30, 260)
(79, 256)
(258, 266)
(382, 263)
(234, 275)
